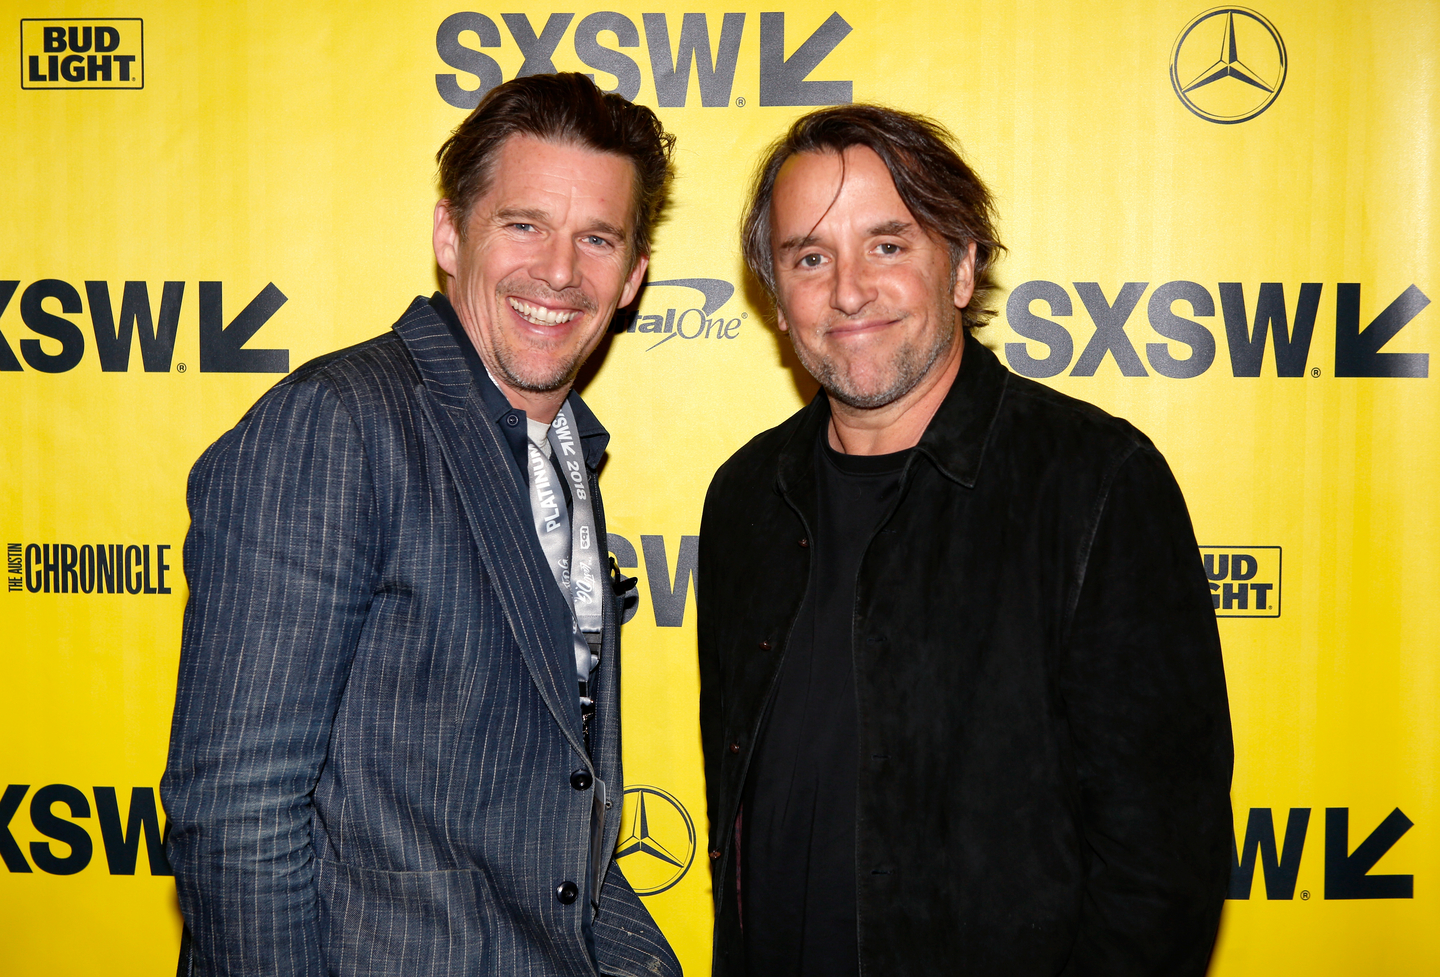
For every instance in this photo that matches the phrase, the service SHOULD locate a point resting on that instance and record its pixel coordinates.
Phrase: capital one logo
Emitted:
(676, 47)
(684, 309)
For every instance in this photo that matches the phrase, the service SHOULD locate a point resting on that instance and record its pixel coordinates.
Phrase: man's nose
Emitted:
(854, 284)
(557, 264)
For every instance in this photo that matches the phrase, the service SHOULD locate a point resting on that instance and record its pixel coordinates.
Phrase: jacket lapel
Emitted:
(958, 434)
(497, 513)
(795, 474)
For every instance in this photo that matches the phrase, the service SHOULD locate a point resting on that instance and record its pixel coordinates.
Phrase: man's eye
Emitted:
(889, 247)
(596, 241)
(520, 226)
(811, 261)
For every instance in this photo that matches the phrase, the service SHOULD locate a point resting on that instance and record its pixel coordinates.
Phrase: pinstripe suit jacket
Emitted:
(376, 721)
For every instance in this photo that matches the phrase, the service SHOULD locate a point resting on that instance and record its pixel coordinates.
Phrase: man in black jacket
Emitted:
(962, 697)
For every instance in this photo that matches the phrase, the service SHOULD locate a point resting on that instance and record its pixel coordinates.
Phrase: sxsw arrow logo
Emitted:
(1347, 873)
(1347, 876)
(676, 45)
(1357, 351)
(1177, 312)
(783, 80)
(222, 347)
(59, 344)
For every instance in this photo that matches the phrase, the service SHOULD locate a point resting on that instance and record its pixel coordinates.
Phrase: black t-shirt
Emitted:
(797, 863)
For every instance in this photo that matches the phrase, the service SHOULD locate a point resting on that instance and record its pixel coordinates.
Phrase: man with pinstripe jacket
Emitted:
(395, 747)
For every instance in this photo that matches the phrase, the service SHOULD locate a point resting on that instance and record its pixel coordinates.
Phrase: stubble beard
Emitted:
(509, 360)
(513, 372)
(908, 365)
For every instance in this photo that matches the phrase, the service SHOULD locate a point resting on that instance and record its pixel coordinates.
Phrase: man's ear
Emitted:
(965, 278)
(633, 280)
(446, 238)
(780, 322)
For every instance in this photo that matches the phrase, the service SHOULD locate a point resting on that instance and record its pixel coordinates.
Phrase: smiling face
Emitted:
(870, 299)
(545, 260)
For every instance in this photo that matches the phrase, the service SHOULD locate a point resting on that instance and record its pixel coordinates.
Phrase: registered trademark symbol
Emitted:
(1305, 894)
(180, 368)
(740, 102)
(1314, 371)
(744, 315)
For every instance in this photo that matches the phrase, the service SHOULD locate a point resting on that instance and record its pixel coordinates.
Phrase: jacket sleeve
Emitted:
(627, 941)
(281, 570)
(1144, 691)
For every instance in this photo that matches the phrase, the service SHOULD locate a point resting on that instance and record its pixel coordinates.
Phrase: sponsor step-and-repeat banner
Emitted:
(1220, 224)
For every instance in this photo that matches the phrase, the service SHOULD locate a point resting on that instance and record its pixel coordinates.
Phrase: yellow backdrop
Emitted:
(1230, 244)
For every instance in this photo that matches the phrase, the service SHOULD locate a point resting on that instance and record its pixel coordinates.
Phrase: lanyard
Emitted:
(569, 539)
(570, 547)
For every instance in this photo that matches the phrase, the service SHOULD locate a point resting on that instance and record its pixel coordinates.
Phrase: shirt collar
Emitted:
(593, 436)
(955, 439)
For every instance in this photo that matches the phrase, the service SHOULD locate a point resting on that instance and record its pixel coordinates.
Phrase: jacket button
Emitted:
(567, 892)
(581, 780)
(804, 543)
(512, 420)
(715, 854)
(734, 747)
(764, 645)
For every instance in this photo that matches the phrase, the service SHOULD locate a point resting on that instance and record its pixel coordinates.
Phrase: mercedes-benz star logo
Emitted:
(657, 840)
(1246, 77)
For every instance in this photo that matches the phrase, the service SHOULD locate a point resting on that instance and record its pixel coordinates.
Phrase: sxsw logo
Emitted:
(1244, 580)
(82, 53)
(46, 304)
(669, 314)
(1347, 872)
(121, 836)
(1250, 318)
(669, 592)
(677, 46)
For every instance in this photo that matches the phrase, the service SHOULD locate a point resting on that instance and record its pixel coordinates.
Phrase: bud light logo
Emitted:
(82, 53)
(1244, 580)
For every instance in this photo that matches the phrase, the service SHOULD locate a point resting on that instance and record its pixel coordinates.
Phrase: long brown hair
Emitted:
(935, 183)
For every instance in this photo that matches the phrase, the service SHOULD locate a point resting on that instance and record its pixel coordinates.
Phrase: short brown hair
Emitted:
(563, 108)
(935, 183)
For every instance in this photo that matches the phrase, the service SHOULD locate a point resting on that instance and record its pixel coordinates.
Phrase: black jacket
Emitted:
(1045, 754)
